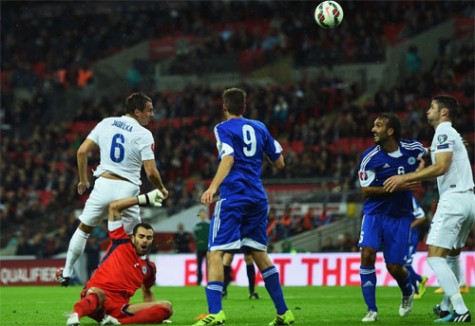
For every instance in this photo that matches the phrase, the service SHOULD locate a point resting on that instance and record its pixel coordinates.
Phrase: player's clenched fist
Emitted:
(82, 187)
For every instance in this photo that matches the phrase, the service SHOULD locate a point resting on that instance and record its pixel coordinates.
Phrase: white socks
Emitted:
(448, 282)
(454, 264)
(77, 244)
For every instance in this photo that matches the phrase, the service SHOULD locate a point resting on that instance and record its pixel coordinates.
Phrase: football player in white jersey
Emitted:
(124, 145)
(455, 214)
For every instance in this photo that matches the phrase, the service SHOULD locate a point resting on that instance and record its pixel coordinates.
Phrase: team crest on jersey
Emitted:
(144, 270)
(442, 138)
(411, 160)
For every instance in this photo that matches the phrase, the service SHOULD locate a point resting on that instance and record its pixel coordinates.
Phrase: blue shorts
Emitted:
(239, 222)
(390, 234)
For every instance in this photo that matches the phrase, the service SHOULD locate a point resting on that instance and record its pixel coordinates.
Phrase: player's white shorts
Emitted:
(453, 220)
(104, 191)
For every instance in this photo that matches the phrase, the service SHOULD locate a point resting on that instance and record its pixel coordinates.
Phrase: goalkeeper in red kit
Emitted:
(124, 269)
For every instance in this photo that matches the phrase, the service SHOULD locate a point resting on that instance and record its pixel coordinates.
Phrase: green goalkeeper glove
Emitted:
(153, 198)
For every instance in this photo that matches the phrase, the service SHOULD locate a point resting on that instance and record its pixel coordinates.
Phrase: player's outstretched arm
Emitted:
(152, 198)
(116, 207)
(439, 167)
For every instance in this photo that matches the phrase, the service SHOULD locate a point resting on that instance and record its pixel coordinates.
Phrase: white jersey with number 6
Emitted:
(123, 144)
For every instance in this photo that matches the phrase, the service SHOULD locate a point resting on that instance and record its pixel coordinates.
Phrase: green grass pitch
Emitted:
(312, 306)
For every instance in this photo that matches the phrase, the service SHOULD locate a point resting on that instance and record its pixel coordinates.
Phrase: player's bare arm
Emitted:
(154, 176)
(223, 170)
(380, 191)
(439, 167)
(151, 198)
(86, 147)
(117, 206)
(280, 163)
(147, 294)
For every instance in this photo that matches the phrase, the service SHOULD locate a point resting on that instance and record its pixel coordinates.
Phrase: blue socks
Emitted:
(368, 286)
(406, 284)
(214, 295)
(272, 283)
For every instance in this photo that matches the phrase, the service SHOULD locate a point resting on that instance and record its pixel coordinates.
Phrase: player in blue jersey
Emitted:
(418, 281)
(387, 216)
(239, 221)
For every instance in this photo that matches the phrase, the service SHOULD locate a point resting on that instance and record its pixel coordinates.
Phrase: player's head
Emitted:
(387, 126)
(139, 106)
(142, 238)
(234, 101)
(442, 108)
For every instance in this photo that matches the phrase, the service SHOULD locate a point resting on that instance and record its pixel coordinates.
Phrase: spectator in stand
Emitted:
(344, 243)
(100, 231)
(181, 240)
(413, 60)
(325, 216)
(24, 247)
(328, 245)
(93, 252)
(273, 229)
(286, 247)
(286, 222)
(309, 219)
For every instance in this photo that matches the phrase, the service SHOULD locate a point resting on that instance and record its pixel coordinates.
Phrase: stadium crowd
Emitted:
(60, 41)
(322, 123)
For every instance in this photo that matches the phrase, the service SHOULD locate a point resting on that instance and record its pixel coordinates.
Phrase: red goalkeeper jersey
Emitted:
(121, 269)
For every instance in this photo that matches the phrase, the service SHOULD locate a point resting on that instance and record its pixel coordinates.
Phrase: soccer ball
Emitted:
(328, 14)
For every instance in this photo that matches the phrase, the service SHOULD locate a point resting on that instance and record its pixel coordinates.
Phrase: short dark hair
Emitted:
(448, 102)
(235, 100)
(393, 121)
(136, 101)
(143, 225)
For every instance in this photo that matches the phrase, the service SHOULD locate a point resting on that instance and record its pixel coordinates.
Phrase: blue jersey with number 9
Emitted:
(248, 141)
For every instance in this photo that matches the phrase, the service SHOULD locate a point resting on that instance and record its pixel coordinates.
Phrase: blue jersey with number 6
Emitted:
(377, 165)
(248, 141)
